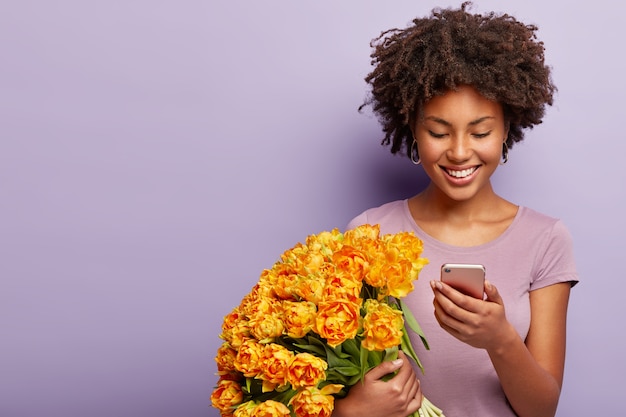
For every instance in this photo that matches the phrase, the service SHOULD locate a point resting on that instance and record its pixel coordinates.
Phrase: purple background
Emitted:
(155, 156)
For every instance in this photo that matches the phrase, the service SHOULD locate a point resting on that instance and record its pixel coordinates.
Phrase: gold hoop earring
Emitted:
(414, 153)
(505, 154)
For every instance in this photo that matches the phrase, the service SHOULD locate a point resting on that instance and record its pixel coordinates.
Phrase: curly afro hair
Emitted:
(498, 55)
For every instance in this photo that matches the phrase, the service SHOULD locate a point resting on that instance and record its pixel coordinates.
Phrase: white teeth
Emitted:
(461, 174)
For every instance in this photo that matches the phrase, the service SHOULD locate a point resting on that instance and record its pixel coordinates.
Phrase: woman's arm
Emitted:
(530, 372)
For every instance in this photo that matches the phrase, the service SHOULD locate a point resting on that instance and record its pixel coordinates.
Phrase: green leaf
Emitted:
(338, 351)
(390, 354)
(364, 353)
(311, 349)
(409, 319)
(374, 358)
(407, 348)
(347, 370)
(351, 348)
(352, 381)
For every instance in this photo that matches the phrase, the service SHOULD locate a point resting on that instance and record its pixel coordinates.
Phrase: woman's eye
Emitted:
(481, 135)
(436, 135)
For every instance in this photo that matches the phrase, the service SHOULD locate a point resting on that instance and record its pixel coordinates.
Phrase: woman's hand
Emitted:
(479, 323)
(375, 397)
(530, 371)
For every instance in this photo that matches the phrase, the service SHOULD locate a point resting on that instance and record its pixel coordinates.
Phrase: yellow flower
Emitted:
(271, 408)
(360, 233)
(249, 357)
(245, 410)
(226, 395)
(325, 242)
(290, 256)
(299, 317)
(275, 364)
(312, 402)
(306, 370)
(337, 321)
(410, 246)
(382, 326)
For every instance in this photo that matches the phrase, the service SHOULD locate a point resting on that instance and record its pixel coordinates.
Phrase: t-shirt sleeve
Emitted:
(357, 221)
(556, 262)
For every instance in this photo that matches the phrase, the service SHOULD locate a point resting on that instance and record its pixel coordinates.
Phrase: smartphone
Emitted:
(466, 278)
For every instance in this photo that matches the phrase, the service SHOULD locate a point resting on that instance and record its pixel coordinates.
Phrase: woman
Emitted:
(455, 92)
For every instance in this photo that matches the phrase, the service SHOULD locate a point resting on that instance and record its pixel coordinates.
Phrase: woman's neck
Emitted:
(435, 204)
(462, 223)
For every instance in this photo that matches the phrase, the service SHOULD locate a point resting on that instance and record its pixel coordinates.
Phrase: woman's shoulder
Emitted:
(540, 230)
(535, 220)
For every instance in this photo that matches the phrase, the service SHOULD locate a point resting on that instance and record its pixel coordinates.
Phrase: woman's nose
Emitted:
(460, 149)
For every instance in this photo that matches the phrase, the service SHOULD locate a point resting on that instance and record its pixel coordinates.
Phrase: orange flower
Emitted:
(299, 317)
(240, 333)
(351, 261)
(375, 276)
(231, 320)
(260, 305)
(269, 351)
(306, 370)
(271, 408)
(337, 321)
(406, 242)
(265, 327)
(312, 402)
(382, 326)
(290, 256)
(275, 364)
(249, 357)
(281, 279)
(310, 263)
(225, 359)
(309, 288)
(344, 287)
(226, 395)
(399, 278)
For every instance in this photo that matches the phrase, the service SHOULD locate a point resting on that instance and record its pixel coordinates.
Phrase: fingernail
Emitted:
(438, 285)
(397, 362)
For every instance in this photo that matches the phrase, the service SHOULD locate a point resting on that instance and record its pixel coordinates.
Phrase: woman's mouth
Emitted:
(460, 174)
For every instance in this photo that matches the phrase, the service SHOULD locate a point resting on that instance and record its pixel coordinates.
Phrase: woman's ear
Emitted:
(507, 126)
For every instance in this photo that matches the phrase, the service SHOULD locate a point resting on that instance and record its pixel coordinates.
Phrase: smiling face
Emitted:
(459, 137)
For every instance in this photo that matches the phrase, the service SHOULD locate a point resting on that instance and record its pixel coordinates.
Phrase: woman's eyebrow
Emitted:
(480, 120)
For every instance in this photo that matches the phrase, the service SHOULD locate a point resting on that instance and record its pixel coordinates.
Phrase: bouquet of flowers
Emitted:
(327, 312)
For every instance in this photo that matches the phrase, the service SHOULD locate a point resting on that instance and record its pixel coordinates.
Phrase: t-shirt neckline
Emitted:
(431, 240)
